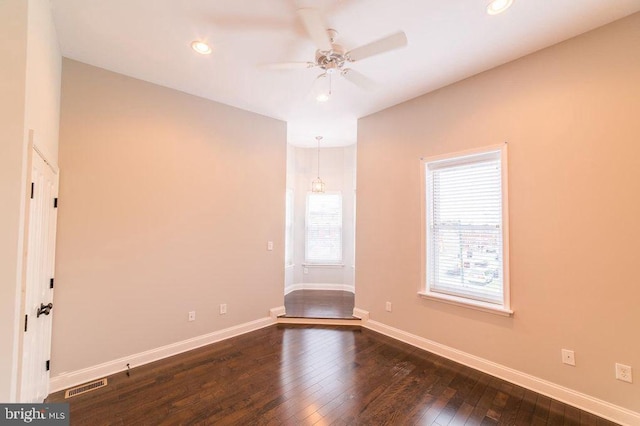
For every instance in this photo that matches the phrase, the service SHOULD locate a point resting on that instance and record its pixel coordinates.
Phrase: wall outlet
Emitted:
(624, 373)
(305, 270)
(192, 315)
(270, 245)
(223, 308)
(387, 307)
(568, 357)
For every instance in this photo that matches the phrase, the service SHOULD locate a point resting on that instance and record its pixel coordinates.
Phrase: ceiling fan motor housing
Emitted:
(331, 60)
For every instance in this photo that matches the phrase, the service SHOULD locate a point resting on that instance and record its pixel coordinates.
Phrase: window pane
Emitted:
(324, 228)
(464, 227)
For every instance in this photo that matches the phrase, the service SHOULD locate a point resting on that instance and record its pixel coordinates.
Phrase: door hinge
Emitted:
(51, 283)
(48, 364)
(26, 320)
(32, 188)
(55, 203)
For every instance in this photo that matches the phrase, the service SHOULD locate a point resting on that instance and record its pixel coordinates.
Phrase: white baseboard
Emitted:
(361, 313)
(577, 399)
(74, 378)
(319, 286)
(274, 313)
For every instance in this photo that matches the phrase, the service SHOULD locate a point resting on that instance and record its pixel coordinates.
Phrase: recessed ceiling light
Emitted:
(201, 47)
(498, 6)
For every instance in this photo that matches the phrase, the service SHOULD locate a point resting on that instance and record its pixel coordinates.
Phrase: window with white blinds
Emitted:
(466, 228)
(323, 242)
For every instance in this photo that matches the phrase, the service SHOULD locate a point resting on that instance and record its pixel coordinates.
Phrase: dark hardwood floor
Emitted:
(314, 375)
(319, 304)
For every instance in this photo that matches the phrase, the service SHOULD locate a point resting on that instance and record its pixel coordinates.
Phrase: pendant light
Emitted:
(318, 185)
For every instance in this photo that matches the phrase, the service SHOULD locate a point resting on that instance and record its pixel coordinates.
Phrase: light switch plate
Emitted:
(568, 357)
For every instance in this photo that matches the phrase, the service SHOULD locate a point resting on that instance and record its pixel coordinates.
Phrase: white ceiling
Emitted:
(448, 41)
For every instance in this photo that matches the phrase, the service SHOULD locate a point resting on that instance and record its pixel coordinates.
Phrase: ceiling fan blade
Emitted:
(377, 47)
(359, 79)
(316, 28)
(288, 65)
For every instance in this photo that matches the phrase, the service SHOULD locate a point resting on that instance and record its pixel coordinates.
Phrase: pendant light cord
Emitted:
(318, 139)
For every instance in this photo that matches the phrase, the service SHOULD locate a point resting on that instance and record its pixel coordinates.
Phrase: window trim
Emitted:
(424, 291)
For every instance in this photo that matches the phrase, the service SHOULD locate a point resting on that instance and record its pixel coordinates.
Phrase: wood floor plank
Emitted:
(588, 419)
(510, 409)
(433, 412)
(527, 407)
(314, 375)
(479, 413)
(462, 415)
(542, 408)
(571, 416)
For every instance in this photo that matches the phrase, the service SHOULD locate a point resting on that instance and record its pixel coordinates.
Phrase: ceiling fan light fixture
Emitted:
(201, 47)
(322, 89)
(331, 58)
(498, 6)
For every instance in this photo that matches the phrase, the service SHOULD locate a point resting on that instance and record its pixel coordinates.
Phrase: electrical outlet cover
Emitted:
(624, 373)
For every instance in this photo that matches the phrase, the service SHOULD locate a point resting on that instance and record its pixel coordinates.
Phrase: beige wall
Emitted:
(29, 99)
(13, 62)
(167, 204)
(570, 115)
(43, 80)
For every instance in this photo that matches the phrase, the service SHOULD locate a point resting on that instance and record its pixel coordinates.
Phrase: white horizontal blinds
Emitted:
(324, 228)
(464, 233)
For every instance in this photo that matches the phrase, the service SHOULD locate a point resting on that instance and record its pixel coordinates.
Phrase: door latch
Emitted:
(44, 309)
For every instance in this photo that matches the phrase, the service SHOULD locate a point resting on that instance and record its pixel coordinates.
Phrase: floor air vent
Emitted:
(87, 387)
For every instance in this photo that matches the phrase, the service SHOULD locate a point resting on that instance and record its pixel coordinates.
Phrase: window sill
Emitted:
(323, 265)
(466, 303)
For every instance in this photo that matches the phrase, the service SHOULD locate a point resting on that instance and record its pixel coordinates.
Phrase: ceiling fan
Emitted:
(331, 58)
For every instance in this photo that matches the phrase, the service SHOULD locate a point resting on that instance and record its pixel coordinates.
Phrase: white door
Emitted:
(39, 281)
